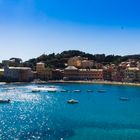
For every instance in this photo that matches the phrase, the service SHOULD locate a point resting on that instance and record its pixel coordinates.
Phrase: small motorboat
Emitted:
(77, 91)
(36, 90)
(101, 91)
(51, 90)
(89, 90)
(124, 98)
(11, 88)
(72, 101)
(5, 101)
(64, 90)
(40, 86)
(52, 87)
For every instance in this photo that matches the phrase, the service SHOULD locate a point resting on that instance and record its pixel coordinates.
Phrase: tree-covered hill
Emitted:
(60, 59)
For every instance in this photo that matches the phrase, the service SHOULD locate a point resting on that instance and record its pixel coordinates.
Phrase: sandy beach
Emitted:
(96, 82)
(81, 82)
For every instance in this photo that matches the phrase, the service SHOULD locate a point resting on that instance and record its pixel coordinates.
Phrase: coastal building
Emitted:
(57, 74)
(107, 74)
(85, 74)
(132, 63)
(73, 73)
(43, 73)
(40, 66)
(35, 76)
(80, 62)
(138, 76)
(1, 74)
(138, 65)
(18, 74)
(98, 65)
(132, 74)
(87, 64)
(97, 74)
(118, 74)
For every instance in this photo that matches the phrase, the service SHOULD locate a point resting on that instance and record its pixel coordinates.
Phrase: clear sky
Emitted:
(29, 28)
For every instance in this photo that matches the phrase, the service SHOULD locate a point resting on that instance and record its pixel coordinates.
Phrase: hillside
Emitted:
(60, 59)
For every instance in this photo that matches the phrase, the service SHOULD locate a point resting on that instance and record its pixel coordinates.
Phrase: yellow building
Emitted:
(42, 72)
(80, 62)
(75, 61)
(40, 67)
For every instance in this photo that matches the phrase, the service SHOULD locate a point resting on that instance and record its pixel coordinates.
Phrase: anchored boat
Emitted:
(72, 101)
(5, 101)
(124, 98)
(89, 90)
(64, 90)
(77, 91)
(51, 90)
(35, 90)
(101, 91)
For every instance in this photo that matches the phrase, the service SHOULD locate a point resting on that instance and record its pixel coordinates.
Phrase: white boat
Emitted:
(124, 98)
(64, 90)
(72, 101)
(77, 91)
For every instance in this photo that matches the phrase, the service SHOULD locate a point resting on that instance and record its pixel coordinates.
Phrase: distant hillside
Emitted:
(60, 59)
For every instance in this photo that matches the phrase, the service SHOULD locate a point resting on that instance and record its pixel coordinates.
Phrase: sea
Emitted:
(42, 115)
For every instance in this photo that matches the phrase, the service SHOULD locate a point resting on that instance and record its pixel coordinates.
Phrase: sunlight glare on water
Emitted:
(46, 115)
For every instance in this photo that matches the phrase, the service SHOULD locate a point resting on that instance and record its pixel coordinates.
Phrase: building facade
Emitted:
(118, 74)
(57, 74)
(132, 74)
(80, 62)
(42, 72)
(107, 74)
(1, 74)
(18, 74)
(86, 64)
(73, 73)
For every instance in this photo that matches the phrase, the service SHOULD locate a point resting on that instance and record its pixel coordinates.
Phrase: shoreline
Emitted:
(96, 82)
(79, 82)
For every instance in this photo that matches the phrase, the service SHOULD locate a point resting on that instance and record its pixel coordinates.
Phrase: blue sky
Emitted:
(29, 28)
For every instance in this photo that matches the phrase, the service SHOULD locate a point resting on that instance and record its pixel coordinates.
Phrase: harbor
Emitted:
(69, 115)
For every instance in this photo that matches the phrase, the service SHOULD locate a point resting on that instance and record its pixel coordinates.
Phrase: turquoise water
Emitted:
(47, 116)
